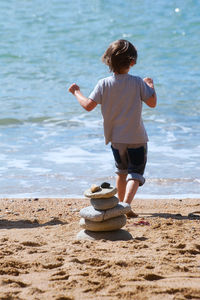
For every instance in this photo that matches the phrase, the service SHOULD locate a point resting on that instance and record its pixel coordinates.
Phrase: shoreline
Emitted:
(41, 258)
(138, 197)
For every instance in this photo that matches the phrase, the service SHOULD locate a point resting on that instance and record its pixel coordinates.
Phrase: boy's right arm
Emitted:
(152, 101)
(86, 103)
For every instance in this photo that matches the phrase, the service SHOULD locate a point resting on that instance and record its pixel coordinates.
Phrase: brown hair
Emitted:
(119, 55)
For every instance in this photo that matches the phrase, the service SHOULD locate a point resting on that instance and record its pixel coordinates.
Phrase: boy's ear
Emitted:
(132, 63)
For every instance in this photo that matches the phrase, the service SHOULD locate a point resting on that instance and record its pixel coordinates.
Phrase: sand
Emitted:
(40, 257)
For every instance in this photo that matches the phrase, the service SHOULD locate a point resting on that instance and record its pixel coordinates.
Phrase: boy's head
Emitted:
(120, 55)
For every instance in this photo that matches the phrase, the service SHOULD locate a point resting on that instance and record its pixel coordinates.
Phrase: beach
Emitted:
(40, 257)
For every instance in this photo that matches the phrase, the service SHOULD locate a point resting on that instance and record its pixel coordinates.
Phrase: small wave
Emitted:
(167, 181)
(53, 121)
(10, 121)
(44, 120)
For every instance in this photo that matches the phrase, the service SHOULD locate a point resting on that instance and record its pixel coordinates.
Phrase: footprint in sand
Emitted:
(180, 246)
(58, 278)
(121, 263)
(61, 275)
(152, 277)
(96, 262)
(13, 268)
(15, 283)
(104, 273)
(64, 298)
(52, 266)
(31, 244)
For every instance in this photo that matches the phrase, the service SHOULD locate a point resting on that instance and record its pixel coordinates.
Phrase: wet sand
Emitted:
(40, 257)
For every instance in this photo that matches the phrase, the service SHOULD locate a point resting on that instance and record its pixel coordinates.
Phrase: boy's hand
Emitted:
(86, 103)
(152, 101)
(149, 81)
(74, 87)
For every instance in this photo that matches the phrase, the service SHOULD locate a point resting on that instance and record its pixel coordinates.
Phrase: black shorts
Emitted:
(130, 159)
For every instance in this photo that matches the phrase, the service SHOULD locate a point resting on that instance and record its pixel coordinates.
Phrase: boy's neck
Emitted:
(124, 71)
(121, 73)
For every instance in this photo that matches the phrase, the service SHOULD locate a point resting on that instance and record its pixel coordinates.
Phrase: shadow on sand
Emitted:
(9, 224)
(190, 216)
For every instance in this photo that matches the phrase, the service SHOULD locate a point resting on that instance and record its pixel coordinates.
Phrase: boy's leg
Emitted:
(121, 163)
(126, 191)
(137, 161)
(121, 186)
(129, 159)
(131, 189)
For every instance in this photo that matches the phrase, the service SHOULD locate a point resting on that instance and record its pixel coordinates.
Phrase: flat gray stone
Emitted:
(104, 203)
(102, 193)
(92, 214)
(108, 225)
(116, 235)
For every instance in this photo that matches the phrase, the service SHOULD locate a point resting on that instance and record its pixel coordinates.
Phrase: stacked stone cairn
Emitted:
(105, 217)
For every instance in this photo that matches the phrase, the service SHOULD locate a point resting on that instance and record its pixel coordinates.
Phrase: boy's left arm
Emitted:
(86, 103)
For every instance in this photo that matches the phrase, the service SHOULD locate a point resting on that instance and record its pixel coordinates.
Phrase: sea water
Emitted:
(50, 146)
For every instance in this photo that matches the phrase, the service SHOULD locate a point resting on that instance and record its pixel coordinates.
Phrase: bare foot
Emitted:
(131, 214)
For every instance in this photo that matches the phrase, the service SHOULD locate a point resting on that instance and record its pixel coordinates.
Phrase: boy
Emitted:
(121, 96)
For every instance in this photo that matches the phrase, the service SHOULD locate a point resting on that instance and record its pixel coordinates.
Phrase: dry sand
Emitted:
(40, 257)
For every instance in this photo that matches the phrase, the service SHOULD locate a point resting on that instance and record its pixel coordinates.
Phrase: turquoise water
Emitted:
(49, 146)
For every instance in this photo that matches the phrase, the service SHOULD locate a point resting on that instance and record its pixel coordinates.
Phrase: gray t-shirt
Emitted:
(121, 99)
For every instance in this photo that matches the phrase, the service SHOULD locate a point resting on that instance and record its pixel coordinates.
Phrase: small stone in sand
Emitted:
(95, 188)
(105, 185)
(40, 209)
